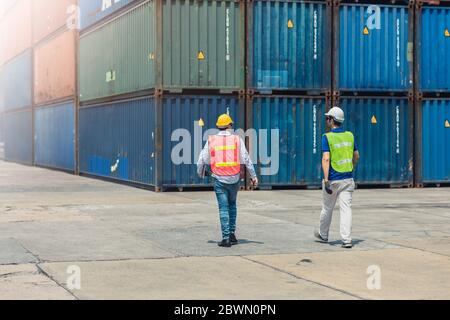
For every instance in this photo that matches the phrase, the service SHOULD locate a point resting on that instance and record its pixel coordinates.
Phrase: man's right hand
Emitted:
(327, 185)
(255, 181)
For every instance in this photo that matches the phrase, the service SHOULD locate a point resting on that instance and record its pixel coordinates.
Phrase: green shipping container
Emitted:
(116, 58)
(173, 45)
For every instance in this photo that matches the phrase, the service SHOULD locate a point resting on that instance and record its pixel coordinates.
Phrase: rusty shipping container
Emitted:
(54, 68)
(15, 35)
(51, 15)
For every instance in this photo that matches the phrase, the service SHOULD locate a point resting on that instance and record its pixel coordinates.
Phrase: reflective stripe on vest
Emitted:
(225, 157)
(342, 147)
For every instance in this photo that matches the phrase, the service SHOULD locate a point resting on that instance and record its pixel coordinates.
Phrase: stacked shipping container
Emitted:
(289, 85)
(145, 57)
(373, 84)
(153, 72)
(54, 83)
(16, 56)
(433, 93)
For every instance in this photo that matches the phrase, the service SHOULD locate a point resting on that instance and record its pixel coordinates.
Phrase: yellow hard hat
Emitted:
(224, 121)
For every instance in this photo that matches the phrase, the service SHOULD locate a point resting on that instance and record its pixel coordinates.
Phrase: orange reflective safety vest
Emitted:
(225, 155)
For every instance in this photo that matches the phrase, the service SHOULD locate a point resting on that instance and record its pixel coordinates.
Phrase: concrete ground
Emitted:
(58, 231)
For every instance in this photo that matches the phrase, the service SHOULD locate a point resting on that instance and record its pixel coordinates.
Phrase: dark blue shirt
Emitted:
(334, 175)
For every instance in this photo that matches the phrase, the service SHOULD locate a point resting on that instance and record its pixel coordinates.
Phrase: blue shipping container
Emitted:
(383, 135)
(116, 140)
(434, 48)
(373, 48)
(92, 11)
(186, 120)
(290, 45)
(294, 147)
(54, 136)
(434, 145)
(18, 136)
(15, 83)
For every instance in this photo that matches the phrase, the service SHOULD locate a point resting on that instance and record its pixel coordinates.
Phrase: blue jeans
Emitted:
(226, 197)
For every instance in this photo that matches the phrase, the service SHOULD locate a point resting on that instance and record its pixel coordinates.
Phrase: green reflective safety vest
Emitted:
(342, 147)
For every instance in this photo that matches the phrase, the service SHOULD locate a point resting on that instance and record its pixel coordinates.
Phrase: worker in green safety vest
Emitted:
(340, 157)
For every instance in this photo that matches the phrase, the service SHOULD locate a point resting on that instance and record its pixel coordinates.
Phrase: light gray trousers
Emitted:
(342, 190)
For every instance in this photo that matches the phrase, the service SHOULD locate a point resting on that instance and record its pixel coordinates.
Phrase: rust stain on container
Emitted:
(54, 69)
(15, 37)
(49, 16)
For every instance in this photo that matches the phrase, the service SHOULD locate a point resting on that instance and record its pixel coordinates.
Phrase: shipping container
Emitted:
(18, 136)
(203, 45)
(117, 140)
(16, 28)
(289, 45)
(15, 83)
(433, 42)
(50, 16)
(433, 141)
(383, 129)
(187, 122)
(54, 68)
(93, 11)
(374, 47)
(117, 57)
(289, 133)
(54, 136)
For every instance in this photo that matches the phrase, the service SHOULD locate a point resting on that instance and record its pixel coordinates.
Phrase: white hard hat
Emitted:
(337, 114)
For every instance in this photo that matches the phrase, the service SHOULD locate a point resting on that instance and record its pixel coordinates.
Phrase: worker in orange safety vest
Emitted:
(225, 153)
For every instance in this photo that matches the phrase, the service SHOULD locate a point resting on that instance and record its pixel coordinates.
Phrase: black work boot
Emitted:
(233, 239)
(225, 243)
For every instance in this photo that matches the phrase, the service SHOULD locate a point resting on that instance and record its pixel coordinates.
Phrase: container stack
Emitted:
(154, 75)
(54, 83)
(373, 84)
(433, 93)
(289, 86)
(16, 56)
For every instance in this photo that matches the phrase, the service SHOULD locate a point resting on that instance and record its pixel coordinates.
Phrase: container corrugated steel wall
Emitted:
(92, 11)
(373, 57)
(383, 134)
(54, 68)
(54, 136)
(116, 140)
(117, 58)
(434, 48)
(16, 31)
(300, 122)
(185, 113)
(18, 136)
(203, 44)
(434, 141)
(15, 83)
(295, 51)
(50, 15)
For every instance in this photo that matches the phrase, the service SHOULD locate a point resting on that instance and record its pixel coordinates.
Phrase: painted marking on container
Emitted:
(447, 124)
(398, 128)
(290, 24)
(447, 33)
(151, 56)
(201, 123)
(227, 32)
(315, 129)
(111, 76)
(374, 120)
(201, 56)
(115, 166)
(366, 31)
